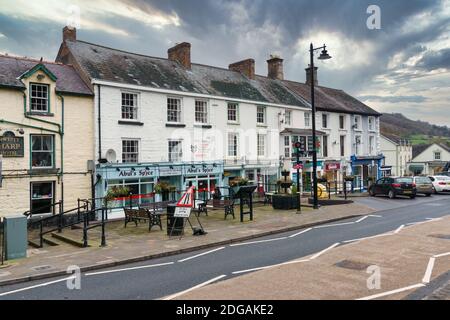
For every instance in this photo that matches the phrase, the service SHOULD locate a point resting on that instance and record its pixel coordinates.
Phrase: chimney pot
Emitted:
(275, 67)
(308, 76)
(69, 33)
(246, 67)
(181, 53)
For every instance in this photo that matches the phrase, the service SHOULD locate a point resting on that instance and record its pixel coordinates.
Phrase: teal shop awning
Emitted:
(416, 168)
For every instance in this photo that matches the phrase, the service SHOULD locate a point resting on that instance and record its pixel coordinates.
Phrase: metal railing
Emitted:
(2, 241)
(58, 221)
(52, 209)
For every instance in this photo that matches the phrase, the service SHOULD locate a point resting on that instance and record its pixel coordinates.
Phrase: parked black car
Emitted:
(392, 187)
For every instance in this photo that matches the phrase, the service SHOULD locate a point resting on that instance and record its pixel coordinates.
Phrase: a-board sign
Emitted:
(182, 212)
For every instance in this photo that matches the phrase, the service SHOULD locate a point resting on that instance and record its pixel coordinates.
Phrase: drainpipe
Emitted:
(99, 125)
(62, 150)
(60, 132)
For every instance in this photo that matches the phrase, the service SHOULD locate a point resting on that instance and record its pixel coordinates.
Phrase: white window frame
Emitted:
(259, 113)
(288, 117)
(307, 119)
(135, 107)
(371, 145)
(261, 145)
(357, 125)
(51, 151)
(34, 96)
(373, 126)
(437, 153)
(126, 154)
(341, 116)
(177, 155)
(201, 117)
(232, 144)
(236, 112)
(358, 146)
(174, 113)
(287, 146)
(326, 117)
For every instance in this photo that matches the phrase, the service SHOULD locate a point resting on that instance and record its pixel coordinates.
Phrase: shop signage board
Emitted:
(332, 166)
(202, 169)
(166, 171)
(11, 146)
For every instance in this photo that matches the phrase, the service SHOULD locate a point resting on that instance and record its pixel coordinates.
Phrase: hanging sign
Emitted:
(11, 146)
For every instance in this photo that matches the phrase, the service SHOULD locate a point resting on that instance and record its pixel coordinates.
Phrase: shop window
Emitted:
(175, 151)
(42, 197)
(130, 151)
(325, 146)
(42, 152)
(129, 106)
(39, 99)
(173, 110)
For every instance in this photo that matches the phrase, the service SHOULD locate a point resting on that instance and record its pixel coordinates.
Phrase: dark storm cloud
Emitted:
(394, 99)
(433, 60)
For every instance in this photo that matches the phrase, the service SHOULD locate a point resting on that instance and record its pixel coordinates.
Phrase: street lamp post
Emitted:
(323, 56)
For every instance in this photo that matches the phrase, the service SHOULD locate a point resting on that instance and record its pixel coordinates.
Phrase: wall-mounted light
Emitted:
(117, 169)
(133, 169)
(147, 168)
(171, 167)
(21, 131)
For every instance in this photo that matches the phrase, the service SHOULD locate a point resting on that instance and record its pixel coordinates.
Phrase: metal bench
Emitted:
(135, 215)
(226, 204)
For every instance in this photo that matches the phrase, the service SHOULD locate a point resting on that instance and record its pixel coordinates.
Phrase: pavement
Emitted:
(132, 244)
(342, 271)
(174, 276)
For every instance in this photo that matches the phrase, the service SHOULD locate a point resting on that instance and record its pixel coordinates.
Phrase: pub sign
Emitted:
(10, 145)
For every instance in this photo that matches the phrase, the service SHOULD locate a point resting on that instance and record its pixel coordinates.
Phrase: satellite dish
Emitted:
(111, 156)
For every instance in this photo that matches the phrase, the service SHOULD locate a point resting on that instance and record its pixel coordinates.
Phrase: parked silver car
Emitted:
(424, 185)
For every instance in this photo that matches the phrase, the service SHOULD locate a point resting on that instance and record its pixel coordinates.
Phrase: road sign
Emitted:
(298, 166)
(182, 212)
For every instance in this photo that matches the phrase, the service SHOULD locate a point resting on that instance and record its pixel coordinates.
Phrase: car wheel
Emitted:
(391, 194)
(372, 193)
(412, 197)
(428, 195)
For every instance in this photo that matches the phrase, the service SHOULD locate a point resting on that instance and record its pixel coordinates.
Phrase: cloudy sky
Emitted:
(402, 67)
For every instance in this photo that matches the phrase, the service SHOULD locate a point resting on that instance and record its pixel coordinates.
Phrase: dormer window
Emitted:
(39, 98)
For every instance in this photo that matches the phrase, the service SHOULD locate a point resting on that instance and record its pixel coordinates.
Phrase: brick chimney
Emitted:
(69, 33)
(308, 76)
(275, 68)
(246, 67)
(181, 53)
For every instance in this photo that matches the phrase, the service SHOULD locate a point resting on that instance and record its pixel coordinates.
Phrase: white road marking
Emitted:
(375, 216)
(250, 270)
(201, 254)
(399, 229)
(361, 219)
(333, 225)
(383, 294)
(323, 251)
(299, 233)
(441, 255)
(259, 241)
(128, 269)
(194, 288)
(359, 239)
(36, 286)
(427, 275)
(271, 266)
(433, 219)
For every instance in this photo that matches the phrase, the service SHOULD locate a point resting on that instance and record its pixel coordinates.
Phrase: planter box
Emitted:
(284, 202)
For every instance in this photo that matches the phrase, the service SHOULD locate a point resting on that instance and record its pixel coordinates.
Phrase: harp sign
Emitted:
(185, 204)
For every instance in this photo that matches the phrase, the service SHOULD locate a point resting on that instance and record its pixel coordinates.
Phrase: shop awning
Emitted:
(416, 167)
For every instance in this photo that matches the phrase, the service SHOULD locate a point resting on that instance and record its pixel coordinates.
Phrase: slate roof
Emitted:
(394, 138)
(119, 66)
(418, 149)
(329, 99)
(68, 81)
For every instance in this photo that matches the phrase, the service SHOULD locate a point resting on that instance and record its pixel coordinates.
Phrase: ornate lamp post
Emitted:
(323, 56)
